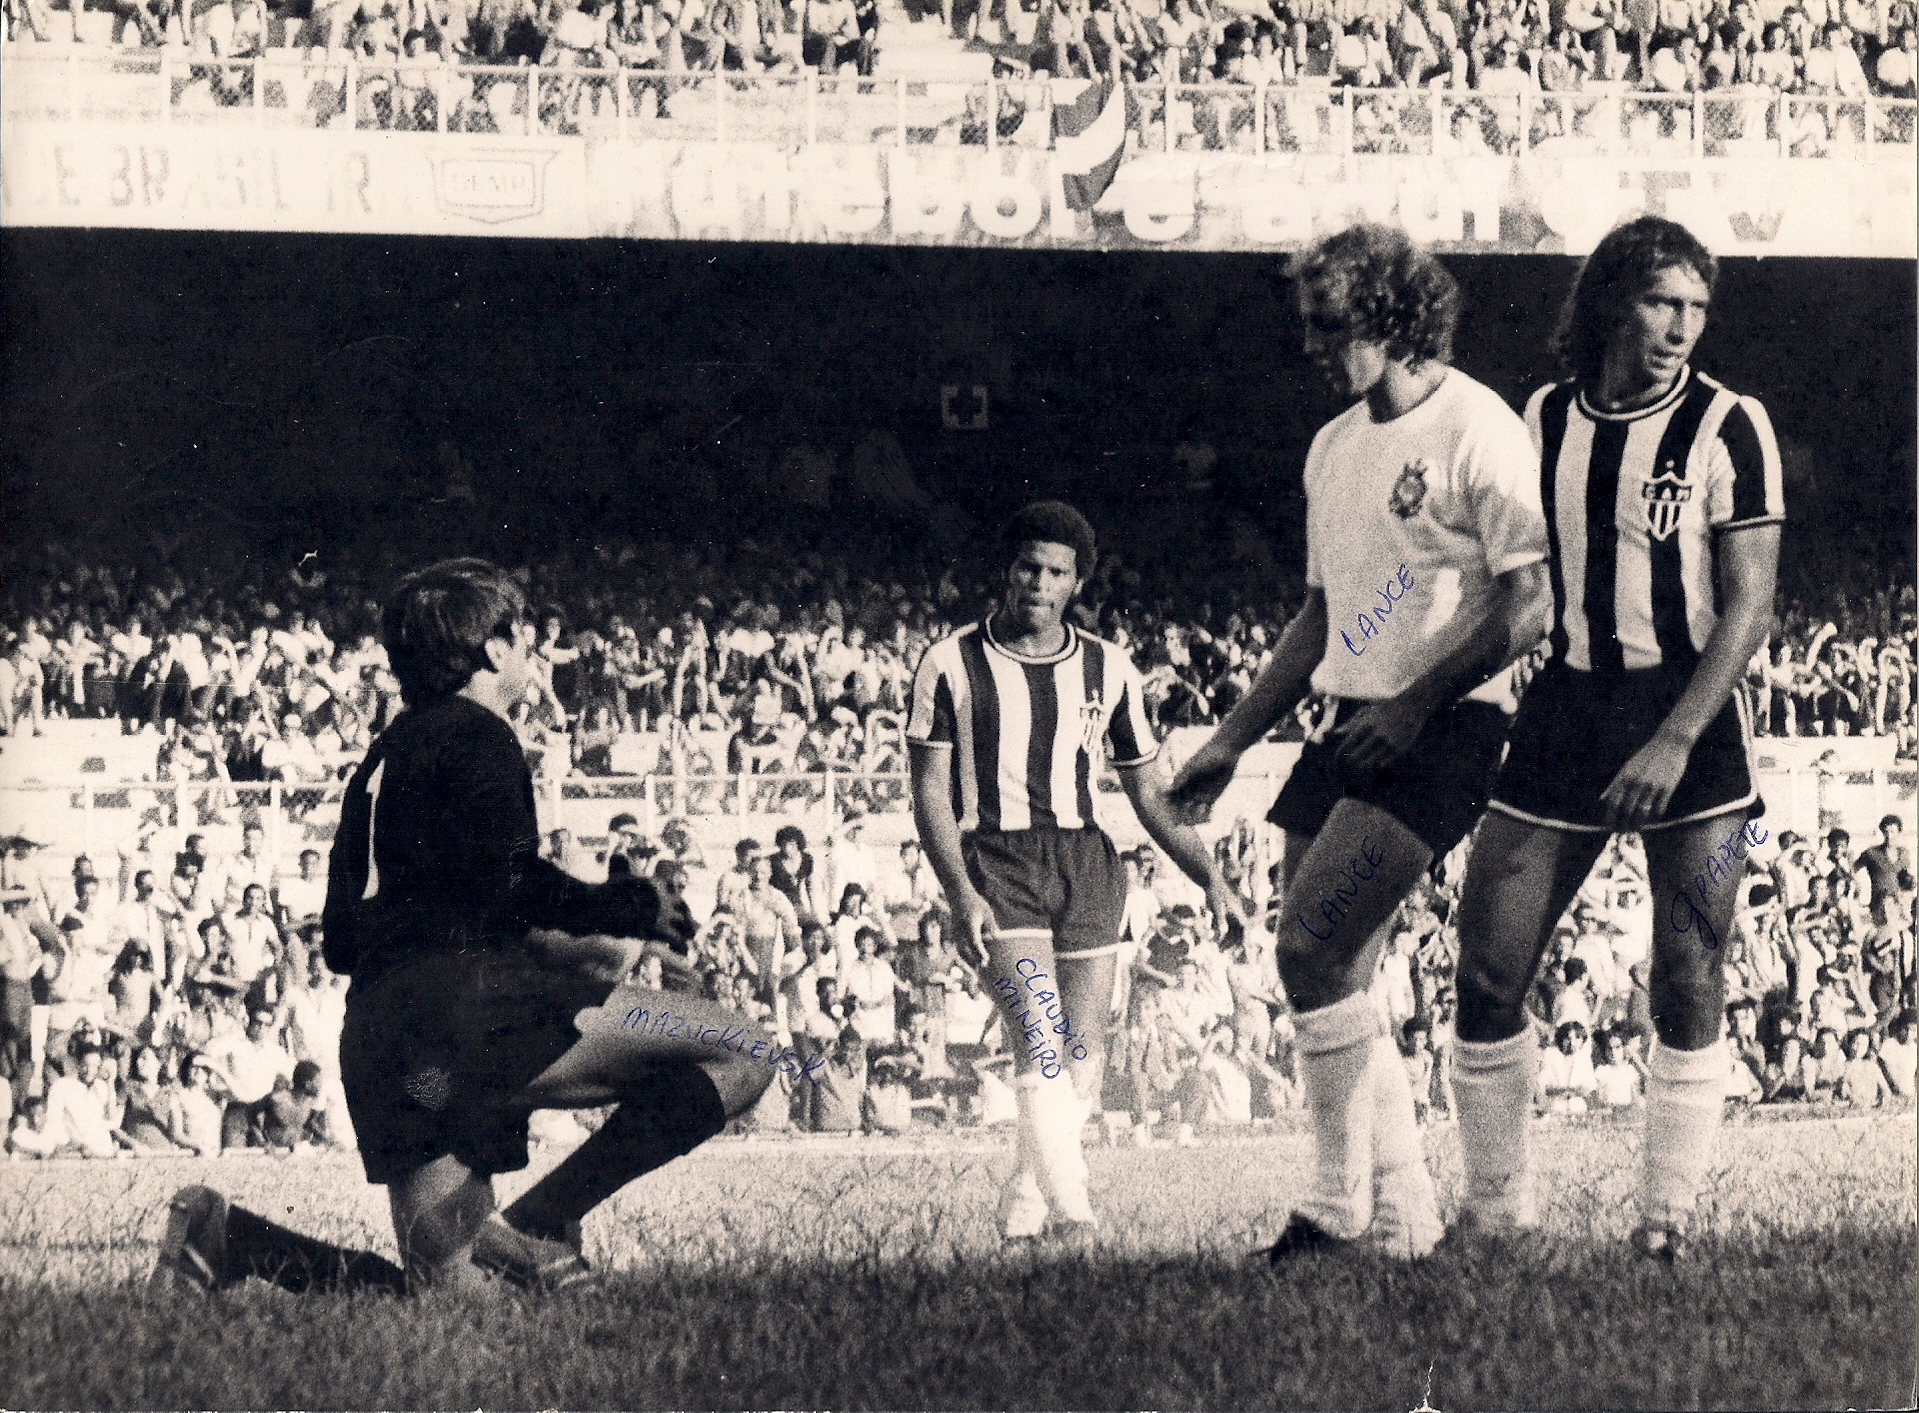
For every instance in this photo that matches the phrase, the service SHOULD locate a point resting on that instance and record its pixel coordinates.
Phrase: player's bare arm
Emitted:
(939, 833)
(1748, 571)
(1277, 690)
(1145, 787)
(1380, 731)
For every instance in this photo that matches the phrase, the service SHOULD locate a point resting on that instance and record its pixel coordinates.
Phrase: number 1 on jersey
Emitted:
(372, 811)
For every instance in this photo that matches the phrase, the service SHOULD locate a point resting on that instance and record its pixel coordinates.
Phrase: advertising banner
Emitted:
(211, 177)
(221, 178)
(1217, 201)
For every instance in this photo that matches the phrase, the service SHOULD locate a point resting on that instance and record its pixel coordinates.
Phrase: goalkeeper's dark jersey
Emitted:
(438, 845)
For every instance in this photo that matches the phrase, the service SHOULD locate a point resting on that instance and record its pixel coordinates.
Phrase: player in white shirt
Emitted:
(1425, 550)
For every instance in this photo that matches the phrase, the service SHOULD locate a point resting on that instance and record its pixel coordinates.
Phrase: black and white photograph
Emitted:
(959, 704)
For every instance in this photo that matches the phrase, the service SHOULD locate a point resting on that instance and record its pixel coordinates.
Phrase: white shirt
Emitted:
(90, 958)
(85, 1114)
(1141, 915)
(301, 897)
(249, 1069)
(145, 923)
(252, 941)
(1408, 523)
(241, 873)
(1560, 1071)
(871, 983)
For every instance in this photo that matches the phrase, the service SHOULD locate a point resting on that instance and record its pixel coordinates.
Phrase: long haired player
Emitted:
(1663, 491)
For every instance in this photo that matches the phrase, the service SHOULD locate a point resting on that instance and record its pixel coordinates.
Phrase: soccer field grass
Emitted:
(856, 1274)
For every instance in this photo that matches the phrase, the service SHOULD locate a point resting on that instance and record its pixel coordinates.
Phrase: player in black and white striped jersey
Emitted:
(1663, 493)
(1007, 714)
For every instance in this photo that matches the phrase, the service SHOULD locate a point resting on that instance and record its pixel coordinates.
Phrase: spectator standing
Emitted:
(21, 962)
(300, 899)
(869, 980)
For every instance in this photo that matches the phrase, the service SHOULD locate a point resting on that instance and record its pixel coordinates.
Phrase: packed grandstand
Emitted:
(1469, 76)
(730, 724)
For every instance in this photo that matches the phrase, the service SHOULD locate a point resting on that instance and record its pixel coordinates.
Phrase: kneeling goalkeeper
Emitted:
(471, 958)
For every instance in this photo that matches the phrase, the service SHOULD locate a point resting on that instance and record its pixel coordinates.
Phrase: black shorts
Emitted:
(435, 1055)
(1068, 883)
(1576, 731)
(1437, 787)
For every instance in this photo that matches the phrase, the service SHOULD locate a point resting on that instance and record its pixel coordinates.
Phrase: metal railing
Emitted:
(309, 89)
(97, 819)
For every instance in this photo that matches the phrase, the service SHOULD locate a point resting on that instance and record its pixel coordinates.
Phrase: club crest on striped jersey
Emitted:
(1409, 491)
(1665, 497)
(1092, 718)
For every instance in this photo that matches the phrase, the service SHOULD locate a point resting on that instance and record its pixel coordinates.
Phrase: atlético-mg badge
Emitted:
(1409, 491)
(1665, 498)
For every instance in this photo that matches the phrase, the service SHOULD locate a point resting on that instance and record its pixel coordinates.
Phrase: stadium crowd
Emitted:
(173, 999)
(1839, 49)
(180, 1003)
(800, 662)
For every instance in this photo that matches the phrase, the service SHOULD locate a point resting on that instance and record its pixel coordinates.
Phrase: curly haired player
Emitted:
(471, 959)
(1425, 566)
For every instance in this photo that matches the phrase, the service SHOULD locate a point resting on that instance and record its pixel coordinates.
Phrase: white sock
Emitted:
(1022, 1206)
(1685, 1097)
(1493, 1087)
(1405, 1204)
(1395, 1121)
(1335, 1049)
(1058, 1117)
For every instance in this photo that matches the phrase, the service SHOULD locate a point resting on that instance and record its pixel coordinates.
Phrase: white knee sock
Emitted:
(1058, 1115)
(1335, 1050)
(1685, 1097)
(1405, 1204)
(1022, 1205)
(1395, 1121)
(1493, 1086)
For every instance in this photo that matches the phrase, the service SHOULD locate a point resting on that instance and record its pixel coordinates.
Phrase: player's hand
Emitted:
(609, 959)
(1229, 912)
(598, 955)
(1380, 732)
(1643, 788)
(972, 924)
(1201, 781)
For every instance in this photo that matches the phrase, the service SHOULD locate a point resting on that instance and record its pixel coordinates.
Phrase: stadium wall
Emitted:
(226, 178)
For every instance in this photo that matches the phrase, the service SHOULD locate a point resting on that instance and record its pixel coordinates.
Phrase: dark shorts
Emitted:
(1576, 731)
(435, 1055)
(1437, 788)
(1066, 882)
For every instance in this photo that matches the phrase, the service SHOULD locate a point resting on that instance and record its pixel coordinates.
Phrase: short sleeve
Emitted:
(1129, 735)
(934, 718)
(1502, 478)
(1744, 482)
(1315, 576)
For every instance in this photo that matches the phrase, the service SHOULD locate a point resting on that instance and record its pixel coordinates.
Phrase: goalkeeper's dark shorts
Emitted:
(437, 1053)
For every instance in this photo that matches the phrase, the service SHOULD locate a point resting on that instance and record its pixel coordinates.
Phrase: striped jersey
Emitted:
(1633, 500)
(1022, 730)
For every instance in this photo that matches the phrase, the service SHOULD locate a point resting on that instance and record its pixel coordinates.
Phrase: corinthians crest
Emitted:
(1665, 498)
(1409, 491)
